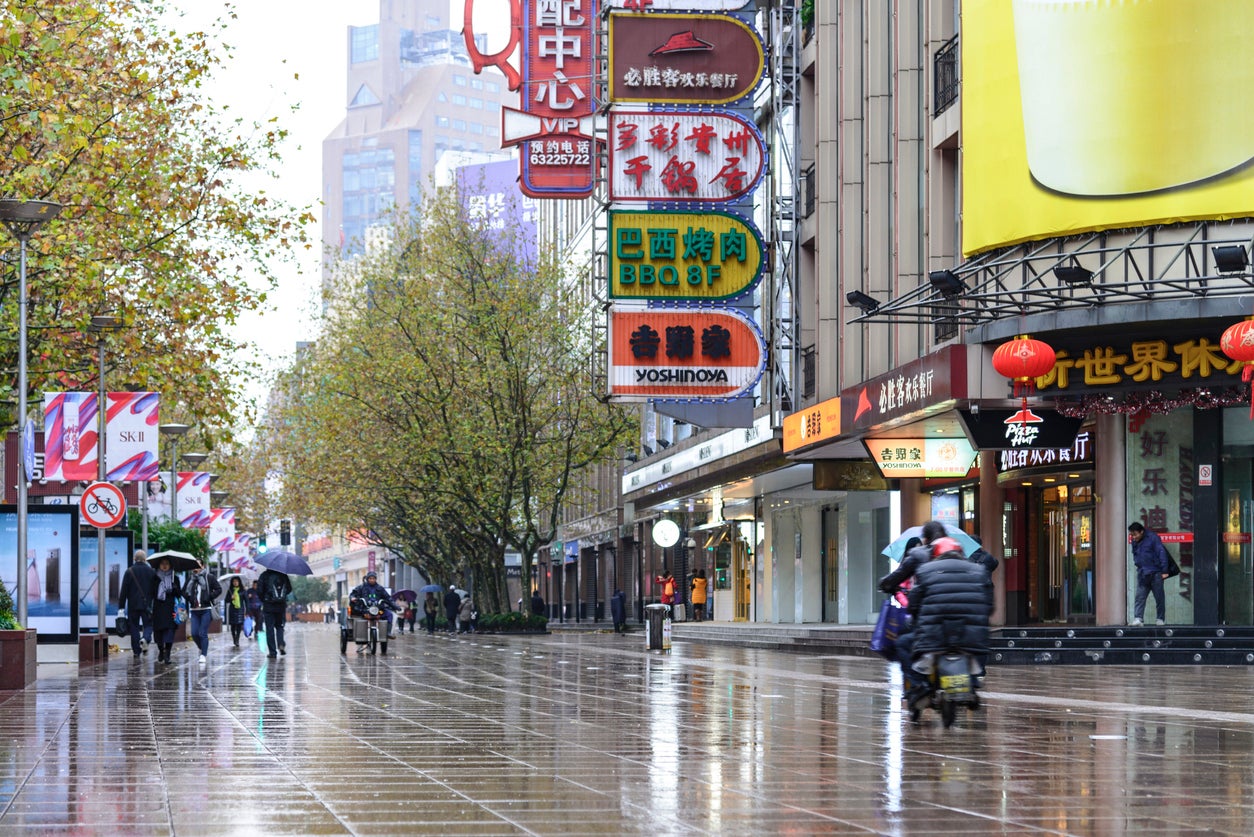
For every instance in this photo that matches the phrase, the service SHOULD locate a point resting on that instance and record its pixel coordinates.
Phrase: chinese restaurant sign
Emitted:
(556, 92)
(683, 157)
(1144, 364)
(683, 353)
(682, 59)
(1079, 452)
(920, 385)
(1018, 429)
(898, 458)
(812, 425)
(682, 255)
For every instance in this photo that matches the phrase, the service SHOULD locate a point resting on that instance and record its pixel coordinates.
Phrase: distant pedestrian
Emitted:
(411, 616)
(452, 603)
(201, 590)
(254, 605)
(1150, 557)
(168, 589)
(465, 615)
(618, 610)
(700, 591)
(983, 557)
(139, 586)
(236, 608)
(275, 588)
(666, 582)
(537, 604)
(430, 609)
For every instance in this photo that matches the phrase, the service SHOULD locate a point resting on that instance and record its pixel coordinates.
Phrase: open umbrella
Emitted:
(245, 579)
(179, 561)
(431, 588)
(897, 548)
(407, 595)
(288, 563)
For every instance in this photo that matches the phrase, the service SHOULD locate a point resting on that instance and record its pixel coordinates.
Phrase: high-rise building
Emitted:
(410, 97)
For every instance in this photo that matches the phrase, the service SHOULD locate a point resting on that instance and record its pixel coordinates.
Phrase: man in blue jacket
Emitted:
(1150, 557)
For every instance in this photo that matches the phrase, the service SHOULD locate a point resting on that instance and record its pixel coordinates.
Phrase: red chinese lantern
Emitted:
(1023, 360)
(1238, 344)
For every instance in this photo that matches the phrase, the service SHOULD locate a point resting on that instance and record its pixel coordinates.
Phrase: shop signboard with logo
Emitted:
(691, 59)
(910, 458)
(671, 256)
(1028, 428)
(812, 425)
(1192, 359)
(556, 92)
(918, 387)
(683, 353)
(683, 157)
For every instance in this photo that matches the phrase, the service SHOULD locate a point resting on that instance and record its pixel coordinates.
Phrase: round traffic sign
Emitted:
(102, 505)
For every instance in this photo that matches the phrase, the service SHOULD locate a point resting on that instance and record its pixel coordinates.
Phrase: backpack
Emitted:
(274, 592)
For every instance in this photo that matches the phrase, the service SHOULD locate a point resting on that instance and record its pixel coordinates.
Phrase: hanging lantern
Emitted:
(1023, 360)
(1238, 343)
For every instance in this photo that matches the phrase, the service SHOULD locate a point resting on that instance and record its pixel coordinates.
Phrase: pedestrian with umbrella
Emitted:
(275, 588)
(168, 592)
(430, 608)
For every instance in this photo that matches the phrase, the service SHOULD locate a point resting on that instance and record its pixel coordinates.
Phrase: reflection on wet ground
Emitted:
(591, 734)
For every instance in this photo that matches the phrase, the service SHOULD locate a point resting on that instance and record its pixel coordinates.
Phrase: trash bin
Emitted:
(657, 627)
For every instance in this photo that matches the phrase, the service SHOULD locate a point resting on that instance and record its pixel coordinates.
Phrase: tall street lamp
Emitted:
(21, 219)
(174, 431)
(101, 326)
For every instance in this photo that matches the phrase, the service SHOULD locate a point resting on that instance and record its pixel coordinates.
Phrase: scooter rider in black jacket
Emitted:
(914, 558)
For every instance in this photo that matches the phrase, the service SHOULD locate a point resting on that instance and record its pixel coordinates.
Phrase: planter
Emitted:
(17, 659)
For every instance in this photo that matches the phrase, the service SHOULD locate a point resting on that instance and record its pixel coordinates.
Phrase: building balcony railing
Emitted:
(809, 185)
(809, 371)
(945, 76)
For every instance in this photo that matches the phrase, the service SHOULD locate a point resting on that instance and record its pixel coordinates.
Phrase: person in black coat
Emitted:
(236, 608)
(950, 603)
(139, 586)
(168, 590)
(618, 609)
(983, 557)
(452, 603)
(275, 588)
(537, 604)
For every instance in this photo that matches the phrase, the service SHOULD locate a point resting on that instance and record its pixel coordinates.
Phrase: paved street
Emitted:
(590, 734)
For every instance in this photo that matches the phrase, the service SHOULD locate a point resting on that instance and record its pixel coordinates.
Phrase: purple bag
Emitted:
(893, 620)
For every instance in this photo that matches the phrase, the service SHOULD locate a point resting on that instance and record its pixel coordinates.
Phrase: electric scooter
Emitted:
(953, 683)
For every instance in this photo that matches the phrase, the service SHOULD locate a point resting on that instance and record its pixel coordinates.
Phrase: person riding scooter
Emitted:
(368, 593)
(950, 603)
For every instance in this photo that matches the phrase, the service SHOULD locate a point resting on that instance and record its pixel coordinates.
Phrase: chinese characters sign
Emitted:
(682, 59)
(898, 458)
(812, 425)
(556, 92)
(1144, 363)
(1079, 452)
(678, 5)
(921, 385)
(682, 255)
(683, 354)
(683, 157)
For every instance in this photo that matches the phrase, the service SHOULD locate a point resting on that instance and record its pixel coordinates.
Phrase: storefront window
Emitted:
(1161, 470)
(1236, 518)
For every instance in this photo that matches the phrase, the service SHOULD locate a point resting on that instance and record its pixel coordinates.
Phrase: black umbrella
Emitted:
(179, 561)
(288, 563)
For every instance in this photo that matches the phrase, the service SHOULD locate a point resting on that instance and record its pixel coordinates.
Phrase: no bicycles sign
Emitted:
(102, 505)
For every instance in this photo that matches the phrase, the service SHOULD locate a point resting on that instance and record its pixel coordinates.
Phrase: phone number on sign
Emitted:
(559, 159)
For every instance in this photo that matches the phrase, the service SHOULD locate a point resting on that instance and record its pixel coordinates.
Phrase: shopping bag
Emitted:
(248, 626)
(122, 625)
(892, 621)
(1173, 569)
(180, 610)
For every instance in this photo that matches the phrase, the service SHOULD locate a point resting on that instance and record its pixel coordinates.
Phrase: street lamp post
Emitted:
(174, 431)
(21, 219)
(101, 326)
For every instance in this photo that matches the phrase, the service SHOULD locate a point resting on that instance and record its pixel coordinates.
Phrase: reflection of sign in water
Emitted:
(685, 157)
(897, 458)
(682, 255)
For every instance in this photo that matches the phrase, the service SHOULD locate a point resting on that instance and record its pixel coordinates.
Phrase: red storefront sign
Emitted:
(919, 386)
(556, 90)
(683, 157)
(682, 354)
(682, 59)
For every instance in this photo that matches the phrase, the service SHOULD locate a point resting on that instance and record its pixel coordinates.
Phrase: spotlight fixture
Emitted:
(947, 283)
(867, 303)
(1073, 274)
(1231, 258)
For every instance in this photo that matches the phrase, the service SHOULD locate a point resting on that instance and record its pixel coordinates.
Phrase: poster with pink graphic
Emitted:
(71, 421)
(193, 498)
(221, 529)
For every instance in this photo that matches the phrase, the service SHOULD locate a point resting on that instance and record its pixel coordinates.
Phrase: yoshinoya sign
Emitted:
(682, 255)
(897, 458)
(683, 157)
(556, 92)
(1020, 429)
(683, 354)
(689, 59)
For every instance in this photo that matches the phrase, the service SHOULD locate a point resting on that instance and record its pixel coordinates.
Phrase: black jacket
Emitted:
(275, 588)
(950, 601)
(984, 558)
(201, 590)
(452, 602)
(139, 587)
(909, 565)
(366, 592)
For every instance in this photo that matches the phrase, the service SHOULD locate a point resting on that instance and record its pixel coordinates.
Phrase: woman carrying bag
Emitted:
(236, 608)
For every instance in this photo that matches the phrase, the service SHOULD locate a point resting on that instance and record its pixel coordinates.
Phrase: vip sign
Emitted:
(685, 354)
(682, 255)
(683, 157)
(898, 458)
(556, 92)
(682, 59)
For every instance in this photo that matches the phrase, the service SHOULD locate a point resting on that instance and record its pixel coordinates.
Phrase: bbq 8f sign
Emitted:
(682, 255)
(683, 354)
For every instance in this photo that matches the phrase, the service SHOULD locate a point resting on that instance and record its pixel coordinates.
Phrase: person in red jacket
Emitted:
(667, 583)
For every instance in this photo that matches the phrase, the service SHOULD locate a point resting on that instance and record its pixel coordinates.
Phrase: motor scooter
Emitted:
(362, 625)
(953, 682)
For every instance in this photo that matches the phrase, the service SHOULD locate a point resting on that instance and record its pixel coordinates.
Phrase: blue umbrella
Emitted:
(288, 563)
(897, 548)
(431, 588)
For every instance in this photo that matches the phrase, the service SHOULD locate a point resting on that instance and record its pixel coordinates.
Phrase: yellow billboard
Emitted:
(1080, 115)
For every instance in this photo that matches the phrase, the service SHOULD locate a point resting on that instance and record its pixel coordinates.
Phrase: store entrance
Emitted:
(1236, 557)
(1060, 555)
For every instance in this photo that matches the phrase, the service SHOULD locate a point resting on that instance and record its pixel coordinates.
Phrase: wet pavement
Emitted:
(586, 734)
